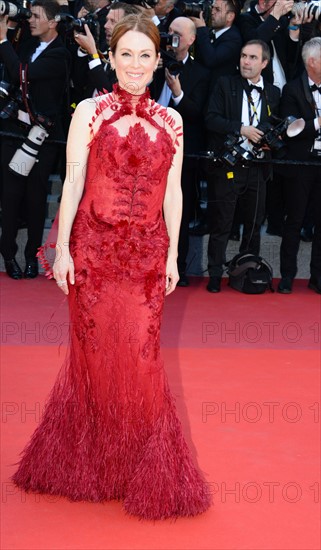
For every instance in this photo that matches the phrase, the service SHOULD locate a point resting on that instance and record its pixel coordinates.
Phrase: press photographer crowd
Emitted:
(246, 79)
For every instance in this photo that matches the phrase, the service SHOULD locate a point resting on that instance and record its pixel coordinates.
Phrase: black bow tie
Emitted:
(315, 88)
(257, 88)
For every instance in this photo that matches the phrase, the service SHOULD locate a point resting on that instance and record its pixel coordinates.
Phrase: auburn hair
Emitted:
(140, 23)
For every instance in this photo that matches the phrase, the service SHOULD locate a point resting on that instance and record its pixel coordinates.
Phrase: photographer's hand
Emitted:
(86, 41)
(82, 12)
(173, 83)
(3, 27)
(282, 7)
(251, 133)
(301, 17)
(199, 21)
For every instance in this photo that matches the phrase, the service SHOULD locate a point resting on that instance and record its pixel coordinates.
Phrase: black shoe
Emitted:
(13, 269)
(315, 284)
(214, 284)
(31, 270)
(183, 280)
(285, 285)
(306, 235)
(274, 231)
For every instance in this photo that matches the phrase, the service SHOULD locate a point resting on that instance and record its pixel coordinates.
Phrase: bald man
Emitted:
(187, 93)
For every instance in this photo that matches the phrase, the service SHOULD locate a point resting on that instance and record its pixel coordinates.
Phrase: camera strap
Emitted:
(253, 113)
(23, 73)
(251, 106)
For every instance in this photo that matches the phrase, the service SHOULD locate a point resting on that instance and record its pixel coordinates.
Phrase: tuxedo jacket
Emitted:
(252, 27)
(223, 55)
(165, 22)
(194, 82)
(224, 114)
(86, 80)
(48, 77)
(297, 100)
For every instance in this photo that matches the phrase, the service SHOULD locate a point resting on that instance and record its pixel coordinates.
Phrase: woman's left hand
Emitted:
(172, 276)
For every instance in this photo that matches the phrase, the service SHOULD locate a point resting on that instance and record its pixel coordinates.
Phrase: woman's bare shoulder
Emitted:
(175, 116)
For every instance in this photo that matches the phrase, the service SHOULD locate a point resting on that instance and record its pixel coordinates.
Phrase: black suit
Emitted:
(252, 27)
(303, 182)
(48, 77)
(223, 55)
(241, 187)
(165, 22)
(86, 80)
(194, 81)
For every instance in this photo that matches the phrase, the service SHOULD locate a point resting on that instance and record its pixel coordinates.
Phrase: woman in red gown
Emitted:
(110, 429)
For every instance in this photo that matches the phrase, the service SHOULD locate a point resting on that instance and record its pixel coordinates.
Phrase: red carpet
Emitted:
(246, 374)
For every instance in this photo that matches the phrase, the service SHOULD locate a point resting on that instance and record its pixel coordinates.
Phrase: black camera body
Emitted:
(273, 135)
(26, 155)
(169, 60)
(142, 3)
(13, 96)
(310, 7)
(233, 152)
(271, 139)
(16, 11)
(72, 24)
(194, 9)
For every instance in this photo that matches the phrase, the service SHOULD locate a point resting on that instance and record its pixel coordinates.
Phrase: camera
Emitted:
(312, 7)
(25, 157)
(272, 135)
(169, 59)
(194, 9)
(70, 23)
(16, 11)
(14, 97)
(271, 139)
(233, 150)
(142, 3)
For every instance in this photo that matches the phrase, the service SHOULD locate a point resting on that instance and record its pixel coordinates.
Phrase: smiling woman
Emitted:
(134, 53)
(134, 65)
(110, 429)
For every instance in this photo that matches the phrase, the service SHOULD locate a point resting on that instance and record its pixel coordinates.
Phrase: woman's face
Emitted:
(135, 60)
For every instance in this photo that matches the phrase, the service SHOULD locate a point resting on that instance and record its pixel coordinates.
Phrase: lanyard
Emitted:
(253, 114)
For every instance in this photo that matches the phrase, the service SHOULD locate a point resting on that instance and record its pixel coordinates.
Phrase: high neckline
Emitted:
(126, 97)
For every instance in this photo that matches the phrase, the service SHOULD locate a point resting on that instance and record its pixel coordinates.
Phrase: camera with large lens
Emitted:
(168, 43)
(272, 135)
(233, 151)
(25, 157)
(312, 7)
(71, 23)
(194, 9)
(15, 10)
(142, 3)
(14, 100)
(5, 89)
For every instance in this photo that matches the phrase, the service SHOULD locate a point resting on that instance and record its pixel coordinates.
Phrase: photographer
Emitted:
(302, 98)
(91, 74)
(166, 12)
(100, 9)
(237, 105)
(272, 22)
(218, 47)
(185, 88)
(36, 81)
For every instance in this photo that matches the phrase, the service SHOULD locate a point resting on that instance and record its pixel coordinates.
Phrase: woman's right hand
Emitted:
(63, 269)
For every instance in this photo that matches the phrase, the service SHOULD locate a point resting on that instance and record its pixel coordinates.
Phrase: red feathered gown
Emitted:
(110, 428)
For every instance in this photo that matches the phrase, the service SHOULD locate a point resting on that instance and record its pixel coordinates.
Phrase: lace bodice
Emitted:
(131, 151)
